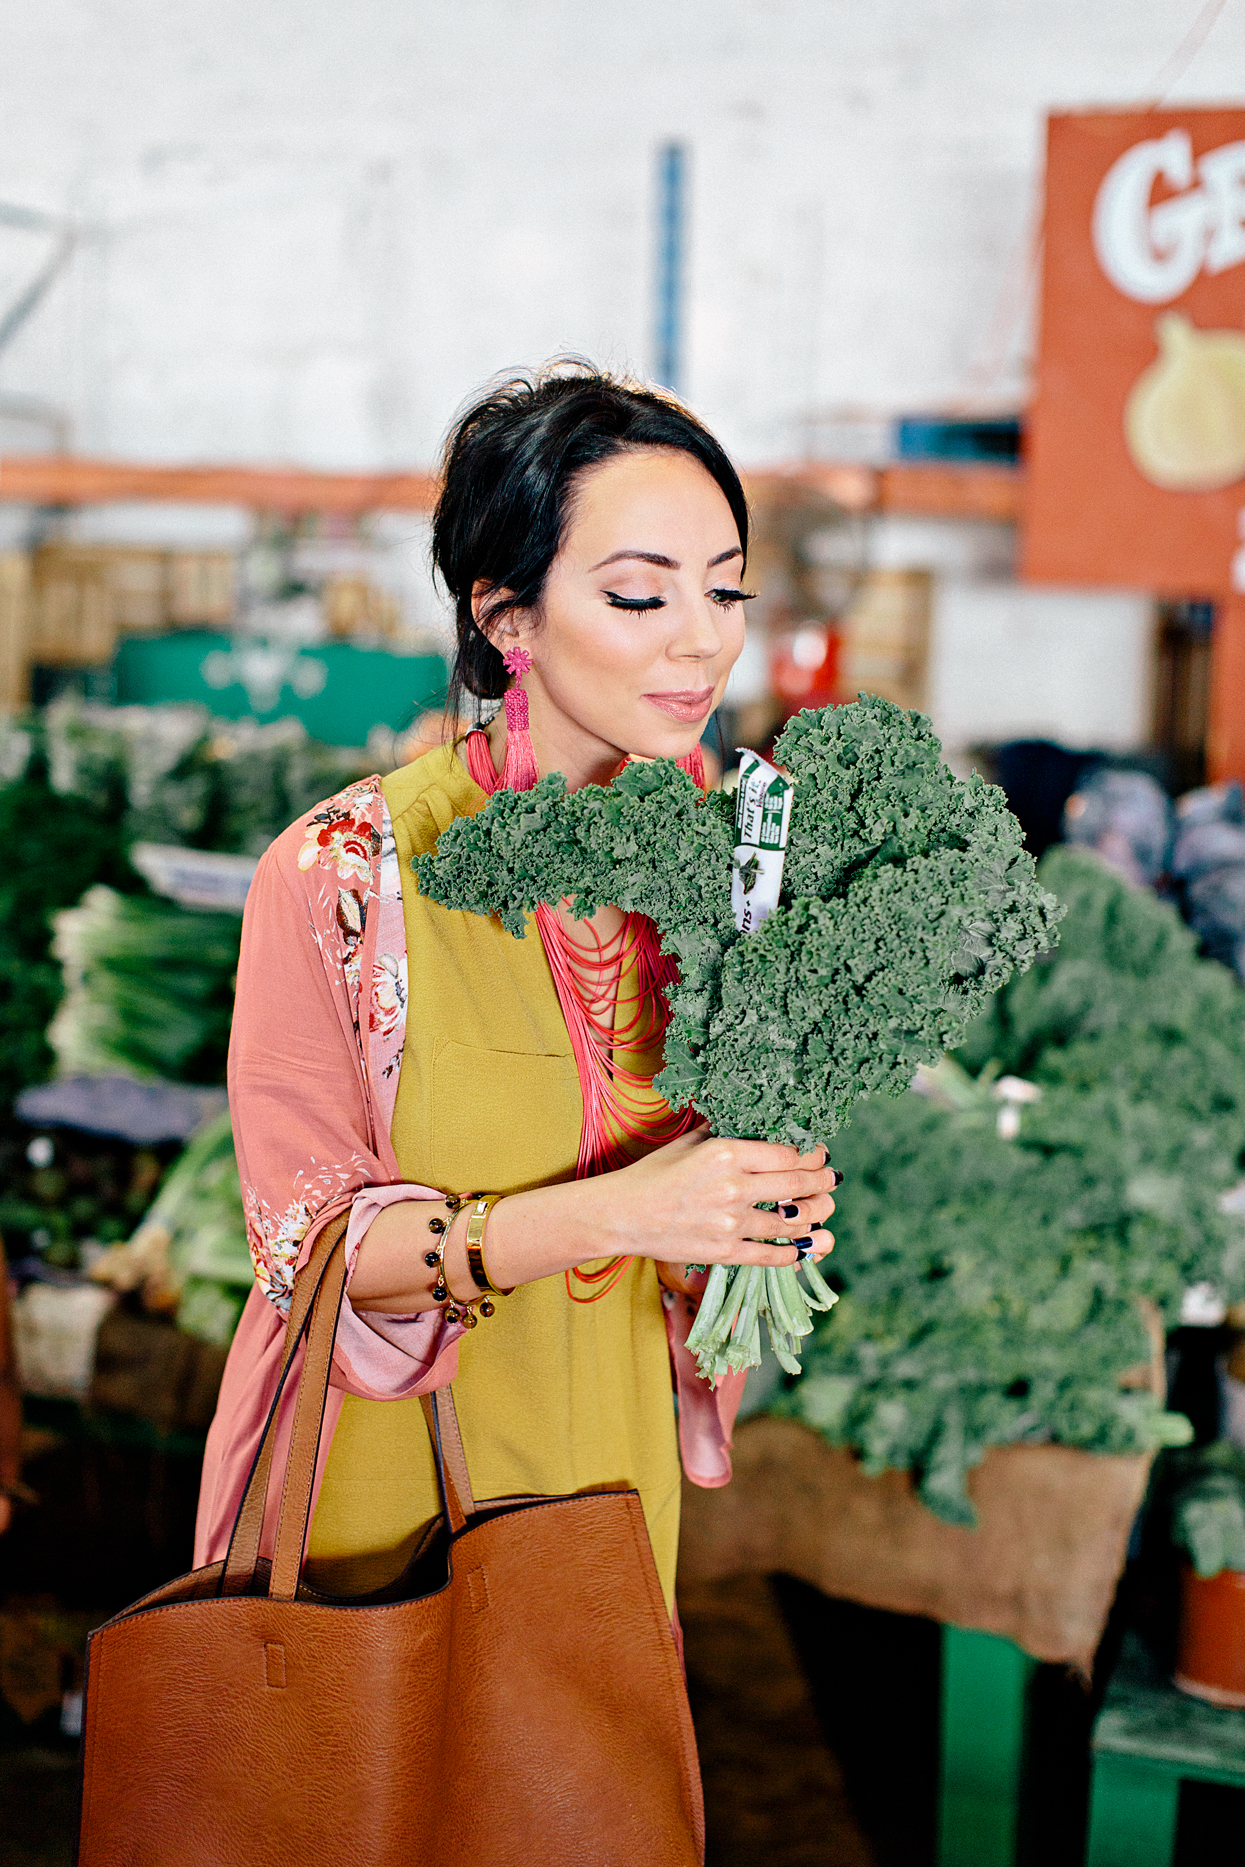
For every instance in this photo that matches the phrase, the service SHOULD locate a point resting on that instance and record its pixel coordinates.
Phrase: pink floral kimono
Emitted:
(316, 1050)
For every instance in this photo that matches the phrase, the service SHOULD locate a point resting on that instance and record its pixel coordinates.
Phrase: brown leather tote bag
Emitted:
(522, 1701)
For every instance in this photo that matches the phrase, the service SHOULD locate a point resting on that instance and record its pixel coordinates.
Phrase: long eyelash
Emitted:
(732, 596)
(634, 602)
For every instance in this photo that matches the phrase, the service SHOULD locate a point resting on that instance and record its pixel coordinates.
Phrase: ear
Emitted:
(503, 626)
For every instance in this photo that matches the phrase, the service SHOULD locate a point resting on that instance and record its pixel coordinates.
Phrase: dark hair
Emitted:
(509, 473)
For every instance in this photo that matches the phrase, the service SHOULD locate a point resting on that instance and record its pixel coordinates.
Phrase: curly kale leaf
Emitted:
(990, 1295)
(1126, 965)
(872, 789)
(647, 843)
(907, 899)
(834, 1000)
(992, 1289)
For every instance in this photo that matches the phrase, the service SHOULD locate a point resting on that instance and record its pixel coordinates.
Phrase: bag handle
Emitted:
(447, 1446)
(242, 1556)
(319, 1290)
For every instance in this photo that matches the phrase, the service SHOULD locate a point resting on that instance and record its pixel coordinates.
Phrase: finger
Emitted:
(760, 1251)
(800, 1215)
(768, 1157)
(785, 1188)
(790, 1221)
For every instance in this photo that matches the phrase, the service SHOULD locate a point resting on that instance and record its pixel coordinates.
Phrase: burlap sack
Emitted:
(1041, 1567)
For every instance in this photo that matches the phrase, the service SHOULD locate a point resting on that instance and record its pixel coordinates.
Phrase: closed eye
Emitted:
(634, 602)
(724, 598)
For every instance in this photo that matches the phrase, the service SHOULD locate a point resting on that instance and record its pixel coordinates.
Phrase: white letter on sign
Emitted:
(1223, 174)
(1152, 254)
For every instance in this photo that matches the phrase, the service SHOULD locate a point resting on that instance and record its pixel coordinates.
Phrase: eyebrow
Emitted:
(664, 563)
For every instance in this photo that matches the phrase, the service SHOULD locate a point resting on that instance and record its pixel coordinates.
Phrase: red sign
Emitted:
(1136, 445)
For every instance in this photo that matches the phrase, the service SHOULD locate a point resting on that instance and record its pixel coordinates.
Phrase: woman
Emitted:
(592, 535)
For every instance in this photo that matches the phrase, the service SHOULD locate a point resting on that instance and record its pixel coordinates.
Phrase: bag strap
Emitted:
(319, 1290)
(242, 1557)
(294, 1516)
(447, 1445)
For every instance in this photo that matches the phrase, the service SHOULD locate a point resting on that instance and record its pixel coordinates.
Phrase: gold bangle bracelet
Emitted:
(477, 1218)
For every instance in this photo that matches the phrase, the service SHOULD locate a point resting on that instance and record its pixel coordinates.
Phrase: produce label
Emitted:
(762, 821)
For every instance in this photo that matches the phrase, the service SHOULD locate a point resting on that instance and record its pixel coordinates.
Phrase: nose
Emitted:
(698, 636)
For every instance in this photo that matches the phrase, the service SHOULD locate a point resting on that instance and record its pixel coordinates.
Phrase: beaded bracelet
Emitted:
(455, 1310)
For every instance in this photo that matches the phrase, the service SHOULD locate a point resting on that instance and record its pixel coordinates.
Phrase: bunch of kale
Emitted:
(994, 1290)
(907, 899)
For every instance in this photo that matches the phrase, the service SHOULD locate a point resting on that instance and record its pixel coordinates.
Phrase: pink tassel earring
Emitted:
(519, 772)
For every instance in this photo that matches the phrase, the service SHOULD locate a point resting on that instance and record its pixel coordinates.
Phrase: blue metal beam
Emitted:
(668, 306)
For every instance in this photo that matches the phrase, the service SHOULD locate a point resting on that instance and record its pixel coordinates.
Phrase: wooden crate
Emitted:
(885, 637)
(84, 596)
(354, 606)
(72, 607)
(202, 589)
(15, 626)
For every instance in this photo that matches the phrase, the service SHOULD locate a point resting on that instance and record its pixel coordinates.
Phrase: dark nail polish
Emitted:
(801, 1243)
(838, 1176)
(802, 1252)
(790, 1212)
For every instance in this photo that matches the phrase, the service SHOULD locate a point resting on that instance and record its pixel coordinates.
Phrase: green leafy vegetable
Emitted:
(1208, 1507)
(148, 988)
(908, 898)
(992, 1290)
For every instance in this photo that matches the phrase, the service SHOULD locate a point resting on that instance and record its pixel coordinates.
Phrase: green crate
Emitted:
(338, 691)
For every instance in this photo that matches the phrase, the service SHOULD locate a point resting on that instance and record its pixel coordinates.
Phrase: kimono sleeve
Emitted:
(302, 1116)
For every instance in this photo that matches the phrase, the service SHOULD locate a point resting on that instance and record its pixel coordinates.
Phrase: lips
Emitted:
(686, 707)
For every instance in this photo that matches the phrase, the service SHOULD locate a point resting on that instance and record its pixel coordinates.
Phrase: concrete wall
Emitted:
(1014, 663)
(1008, 661)
(309, 229)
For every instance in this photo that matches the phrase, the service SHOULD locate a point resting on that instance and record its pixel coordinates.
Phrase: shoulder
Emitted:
(425, 797)
(337, 841)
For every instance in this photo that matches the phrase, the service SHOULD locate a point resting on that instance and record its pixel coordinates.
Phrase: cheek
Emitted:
(611, 646)
(733, 628)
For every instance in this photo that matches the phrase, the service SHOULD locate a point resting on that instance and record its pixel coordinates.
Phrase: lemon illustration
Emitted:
(1184, 420)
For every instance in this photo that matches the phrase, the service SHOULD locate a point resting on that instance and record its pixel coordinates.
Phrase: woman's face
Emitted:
(641, 618)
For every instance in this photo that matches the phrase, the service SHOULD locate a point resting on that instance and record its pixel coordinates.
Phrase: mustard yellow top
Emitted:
(553, 1396)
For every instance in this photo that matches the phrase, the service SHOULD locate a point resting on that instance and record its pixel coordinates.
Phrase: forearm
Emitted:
(529, 1235)
(694, 1201)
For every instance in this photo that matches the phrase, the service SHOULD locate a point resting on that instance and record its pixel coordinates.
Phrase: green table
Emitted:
(1149, 1738)
(985, 1684)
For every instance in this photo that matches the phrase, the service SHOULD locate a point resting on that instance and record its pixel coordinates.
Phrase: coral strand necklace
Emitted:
(612, 992)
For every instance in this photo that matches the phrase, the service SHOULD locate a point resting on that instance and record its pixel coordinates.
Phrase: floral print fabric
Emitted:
(353, 893)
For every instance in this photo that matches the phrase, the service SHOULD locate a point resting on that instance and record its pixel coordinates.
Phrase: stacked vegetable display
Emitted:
(994, 1290)
(101, 978)
(907, 899)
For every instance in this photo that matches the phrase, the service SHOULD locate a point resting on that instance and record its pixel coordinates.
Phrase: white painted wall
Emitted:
(313, 226)
(1009, 662)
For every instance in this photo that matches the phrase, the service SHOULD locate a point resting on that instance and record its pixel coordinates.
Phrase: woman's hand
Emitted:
(691, 1202)
(694, 1202)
